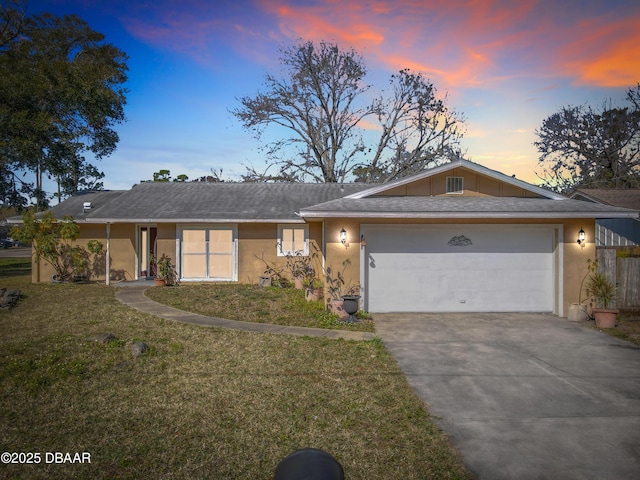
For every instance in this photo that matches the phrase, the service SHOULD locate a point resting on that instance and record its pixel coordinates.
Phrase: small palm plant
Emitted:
(601, 289)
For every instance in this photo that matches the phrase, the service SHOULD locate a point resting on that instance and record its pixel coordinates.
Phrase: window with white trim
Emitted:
(455, 185)
(293, 240)
(208, 252)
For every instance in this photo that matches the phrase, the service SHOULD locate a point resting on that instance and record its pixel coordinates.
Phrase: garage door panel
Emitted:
(409, 269)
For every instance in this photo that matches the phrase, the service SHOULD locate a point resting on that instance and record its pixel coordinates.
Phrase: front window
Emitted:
(209, 253)
(293, 240)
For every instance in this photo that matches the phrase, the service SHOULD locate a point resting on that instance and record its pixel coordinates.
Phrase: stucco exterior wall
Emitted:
(337, 253)
(122, 252)
(166, 240)
(575, 258)
(257, 244)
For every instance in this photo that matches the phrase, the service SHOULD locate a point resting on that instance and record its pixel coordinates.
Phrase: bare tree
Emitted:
(580, 146)
(329, 111)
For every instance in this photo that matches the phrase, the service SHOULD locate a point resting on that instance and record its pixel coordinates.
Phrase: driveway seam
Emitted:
(134, 297)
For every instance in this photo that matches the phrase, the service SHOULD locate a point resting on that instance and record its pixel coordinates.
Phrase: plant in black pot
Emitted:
(344, 299)
(603, 292)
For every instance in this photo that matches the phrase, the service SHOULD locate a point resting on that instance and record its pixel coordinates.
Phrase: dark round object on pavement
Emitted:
(309, 464)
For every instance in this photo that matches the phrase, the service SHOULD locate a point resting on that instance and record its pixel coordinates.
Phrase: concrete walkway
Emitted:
(135, 298)
(524, 396)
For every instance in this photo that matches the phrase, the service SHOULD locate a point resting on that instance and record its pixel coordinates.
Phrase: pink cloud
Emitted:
(461, 43)
(606, 54)
(473, 43)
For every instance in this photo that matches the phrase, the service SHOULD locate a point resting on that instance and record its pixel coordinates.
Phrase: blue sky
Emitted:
(506, 65)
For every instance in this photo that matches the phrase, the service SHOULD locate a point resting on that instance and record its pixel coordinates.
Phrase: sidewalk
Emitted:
(135, 298)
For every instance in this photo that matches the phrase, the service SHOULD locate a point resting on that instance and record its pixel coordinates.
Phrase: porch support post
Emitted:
(108, 259)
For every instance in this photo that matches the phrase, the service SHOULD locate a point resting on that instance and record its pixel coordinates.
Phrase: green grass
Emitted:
(202, 403)
(12, 267)
(280, 306)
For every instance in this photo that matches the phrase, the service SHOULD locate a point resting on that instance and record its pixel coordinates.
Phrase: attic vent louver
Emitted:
(86, 206)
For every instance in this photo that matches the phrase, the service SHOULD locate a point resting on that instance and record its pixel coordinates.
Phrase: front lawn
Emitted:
(251, 303)
(202, 402)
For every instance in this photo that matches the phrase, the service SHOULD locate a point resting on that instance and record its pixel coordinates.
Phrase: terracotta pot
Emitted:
(160, 282)
(605, 318)
(313, 295)
(297, 283)
(336, 306)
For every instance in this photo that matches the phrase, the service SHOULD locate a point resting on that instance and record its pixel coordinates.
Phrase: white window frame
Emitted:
(304, 251)
(455, 182)
(207, 226)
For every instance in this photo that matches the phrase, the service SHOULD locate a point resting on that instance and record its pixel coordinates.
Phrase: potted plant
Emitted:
(272, 274)
(344, 299)
(166, 274)
(313, 289)
(351, 303)
(299, 265)
(603, 293)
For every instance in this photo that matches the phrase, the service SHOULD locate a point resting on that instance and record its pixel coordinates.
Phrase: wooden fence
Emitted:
(625, 272)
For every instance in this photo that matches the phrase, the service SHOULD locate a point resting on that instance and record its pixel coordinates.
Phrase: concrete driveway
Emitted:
(526, 396)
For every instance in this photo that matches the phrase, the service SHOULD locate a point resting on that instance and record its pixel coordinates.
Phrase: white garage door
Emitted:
(465, 268)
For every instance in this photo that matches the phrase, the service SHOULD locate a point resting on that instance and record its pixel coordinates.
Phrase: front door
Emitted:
(147, 236)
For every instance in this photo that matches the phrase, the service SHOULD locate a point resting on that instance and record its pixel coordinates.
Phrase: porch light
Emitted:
(363, 241)
(343, 237)
(581, 237)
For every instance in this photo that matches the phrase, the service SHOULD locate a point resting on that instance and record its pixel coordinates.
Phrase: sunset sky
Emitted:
(506, 65)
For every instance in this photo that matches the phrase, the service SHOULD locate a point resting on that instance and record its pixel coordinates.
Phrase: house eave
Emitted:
(462, 215)
(194, 220)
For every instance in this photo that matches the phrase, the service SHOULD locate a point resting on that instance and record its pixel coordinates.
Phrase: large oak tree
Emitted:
(581, 146)
(61, 95)
(334, 128)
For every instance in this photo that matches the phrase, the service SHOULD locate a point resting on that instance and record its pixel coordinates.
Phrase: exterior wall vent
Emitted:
(455, 185)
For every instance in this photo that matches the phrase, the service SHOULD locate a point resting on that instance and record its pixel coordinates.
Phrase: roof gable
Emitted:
(617, 197)
(479, 181)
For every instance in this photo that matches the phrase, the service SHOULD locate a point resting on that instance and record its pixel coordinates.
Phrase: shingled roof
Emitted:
(177, 202)
(75, 205)
(219, 202)
(462, 207)
(617, 197)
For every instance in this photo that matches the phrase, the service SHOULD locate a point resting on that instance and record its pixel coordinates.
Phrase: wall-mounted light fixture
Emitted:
(363, 242)
(581, 238)
(343, 237)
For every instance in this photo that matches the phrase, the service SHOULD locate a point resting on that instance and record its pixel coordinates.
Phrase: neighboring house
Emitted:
(458, 237)
(614, 232)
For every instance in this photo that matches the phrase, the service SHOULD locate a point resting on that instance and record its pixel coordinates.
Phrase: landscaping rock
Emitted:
(8, 298)
(138, 348)
(103, 338)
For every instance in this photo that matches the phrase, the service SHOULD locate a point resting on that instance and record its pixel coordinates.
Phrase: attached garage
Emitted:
(460, 268)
